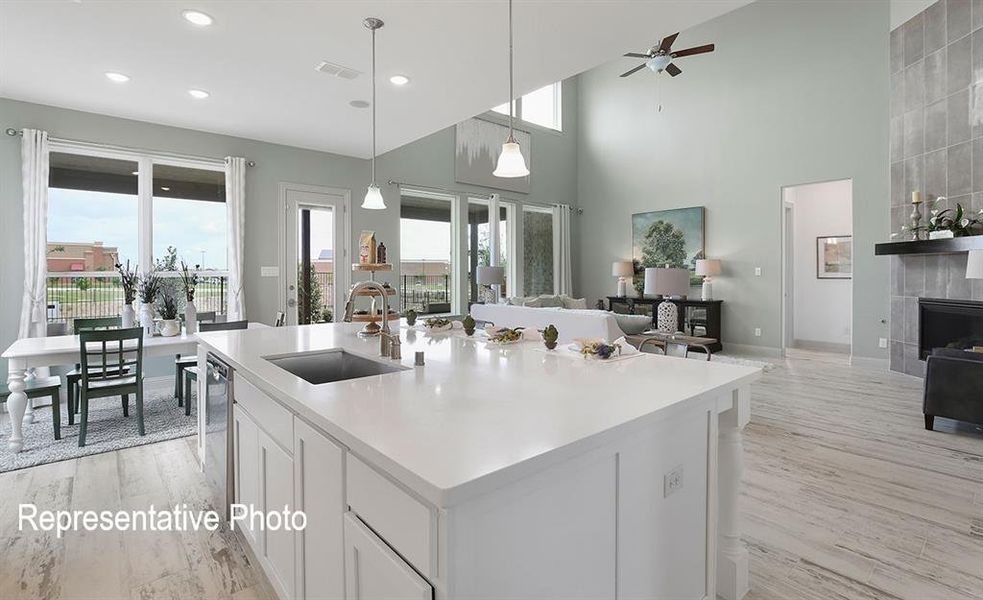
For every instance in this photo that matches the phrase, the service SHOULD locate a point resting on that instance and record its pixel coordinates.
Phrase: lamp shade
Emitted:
(491, 276)
(974, 265)
(373, 199)
(666, 282)
(622, 268)
(511, 162)
(708, 266)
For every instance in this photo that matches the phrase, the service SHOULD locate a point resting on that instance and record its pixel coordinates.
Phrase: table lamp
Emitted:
(493, 277)
(623, 270)
(668, 283)
(708, 267)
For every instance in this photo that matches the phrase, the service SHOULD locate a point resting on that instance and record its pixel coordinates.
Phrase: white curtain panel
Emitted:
(562, 269)
(34, 175)
(235, 210)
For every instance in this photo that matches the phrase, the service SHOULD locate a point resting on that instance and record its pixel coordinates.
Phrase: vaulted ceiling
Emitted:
(257, 59)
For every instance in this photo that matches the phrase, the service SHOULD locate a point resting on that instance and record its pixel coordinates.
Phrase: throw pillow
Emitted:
(574, 303)
(549, 301)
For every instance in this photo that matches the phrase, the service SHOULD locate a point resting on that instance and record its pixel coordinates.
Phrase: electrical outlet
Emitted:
(882, 343)
(757, 271)
(672, 481)
(757, 332)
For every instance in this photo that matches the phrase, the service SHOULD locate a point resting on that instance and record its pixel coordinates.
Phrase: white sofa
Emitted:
(570, 323)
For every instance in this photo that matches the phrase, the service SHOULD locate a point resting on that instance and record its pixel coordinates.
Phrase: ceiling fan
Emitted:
(659, 58)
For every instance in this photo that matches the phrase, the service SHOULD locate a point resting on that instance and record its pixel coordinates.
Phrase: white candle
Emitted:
(916, 197)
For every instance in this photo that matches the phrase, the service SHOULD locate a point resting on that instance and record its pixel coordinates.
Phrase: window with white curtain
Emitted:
(108, 206)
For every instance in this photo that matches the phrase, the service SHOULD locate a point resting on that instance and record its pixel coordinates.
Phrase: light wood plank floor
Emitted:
(846, 496)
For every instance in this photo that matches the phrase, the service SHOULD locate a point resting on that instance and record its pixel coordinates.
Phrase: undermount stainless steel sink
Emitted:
(325, 366)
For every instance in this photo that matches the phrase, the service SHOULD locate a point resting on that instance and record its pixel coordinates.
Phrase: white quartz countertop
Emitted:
(474, 417)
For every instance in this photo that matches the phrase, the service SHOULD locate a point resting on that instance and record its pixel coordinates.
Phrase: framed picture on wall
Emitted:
(834, 257)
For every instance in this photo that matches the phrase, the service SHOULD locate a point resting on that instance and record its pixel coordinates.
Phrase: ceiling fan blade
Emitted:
(673, 69)
(667, 42)
(692, 51)
(627, 73)
(637, 55)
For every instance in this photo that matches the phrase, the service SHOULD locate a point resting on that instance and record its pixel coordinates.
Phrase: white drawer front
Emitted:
(269, 415)
(401, 520)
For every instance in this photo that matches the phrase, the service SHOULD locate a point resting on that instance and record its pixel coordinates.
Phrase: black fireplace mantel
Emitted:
(947, 246)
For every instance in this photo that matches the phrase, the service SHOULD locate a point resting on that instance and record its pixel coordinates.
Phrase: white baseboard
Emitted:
(867, 362)
(752, 350)
(160, 382)
(819, 346)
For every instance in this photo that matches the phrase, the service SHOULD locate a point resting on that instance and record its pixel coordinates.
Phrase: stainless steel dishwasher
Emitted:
(219, 471)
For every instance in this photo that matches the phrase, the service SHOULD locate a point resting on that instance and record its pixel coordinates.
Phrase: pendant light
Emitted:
(373, 197)
(511, 162)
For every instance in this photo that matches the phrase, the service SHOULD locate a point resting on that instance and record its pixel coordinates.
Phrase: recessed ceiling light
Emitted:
(135, 173)
(196, 17)
(359, 104)
(116, 77)
(399, 79)
(199, 94)
(165, 188)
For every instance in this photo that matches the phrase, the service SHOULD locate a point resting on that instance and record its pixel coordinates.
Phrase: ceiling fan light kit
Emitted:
(511, 163)
(373, 196)
(659, 58)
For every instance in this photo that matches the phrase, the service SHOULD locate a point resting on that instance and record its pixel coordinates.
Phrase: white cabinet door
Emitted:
(374, 572)
(247, 471)
(277, 484)
(318, 491)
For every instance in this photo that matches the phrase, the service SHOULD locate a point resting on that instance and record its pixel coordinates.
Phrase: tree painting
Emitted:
(673, 237)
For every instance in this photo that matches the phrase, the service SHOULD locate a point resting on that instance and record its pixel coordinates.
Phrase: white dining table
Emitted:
(32, 353)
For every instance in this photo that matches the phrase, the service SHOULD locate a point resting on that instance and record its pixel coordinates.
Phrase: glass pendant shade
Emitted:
(373, 199)
(511, 162)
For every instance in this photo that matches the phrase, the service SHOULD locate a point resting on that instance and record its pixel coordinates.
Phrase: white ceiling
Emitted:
(258, 58)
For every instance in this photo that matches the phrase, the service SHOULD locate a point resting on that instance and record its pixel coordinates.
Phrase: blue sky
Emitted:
(190, 225)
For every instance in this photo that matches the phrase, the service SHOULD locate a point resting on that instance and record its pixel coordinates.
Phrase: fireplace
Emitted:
(948, 324)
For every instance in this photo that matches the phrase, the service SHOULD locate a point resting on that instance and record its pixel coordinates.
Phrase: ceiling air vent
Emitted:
(338, 71)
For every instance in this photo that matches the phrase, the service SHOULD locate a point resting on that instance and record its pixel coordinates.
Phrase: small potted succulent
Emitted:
(469, 325)
(149, 289)
(550, 335)
(189, 281)
(129, 280)
(167, 307)
(410, 315)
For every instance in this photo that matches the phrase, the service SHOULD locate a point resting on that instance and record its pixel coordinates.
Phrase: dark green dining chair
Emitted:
(104, 355)
(191, 372)
(41, 387)
(72, 377)
(183, 362)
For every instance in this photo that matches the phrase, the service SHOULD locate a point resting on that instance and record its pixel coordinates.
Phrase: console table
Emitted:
(709, 320)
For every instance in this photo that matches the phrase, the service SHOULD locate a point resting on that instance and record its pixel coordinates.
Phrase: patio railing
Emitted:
(99, 294)
(425, 293)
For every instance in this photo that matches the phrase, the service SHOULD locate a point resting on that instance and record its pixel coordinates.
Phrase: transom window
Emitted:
(542, 107)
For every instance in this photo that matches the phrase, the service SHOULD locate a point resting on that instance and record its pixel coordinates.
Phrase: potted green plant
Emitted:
(550, 335)
(410, 315)
(189, 282)
(149, 288)
(129, 280)
(469, 325)
(167, 307)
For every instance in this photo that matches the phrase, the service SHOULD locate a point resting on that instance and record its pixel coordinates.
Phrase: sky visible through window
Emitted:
(424, 240)
(195, 228)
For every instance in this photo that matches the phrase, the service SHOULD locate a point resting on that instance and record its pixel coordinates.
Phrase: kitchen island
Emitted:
(488, 472)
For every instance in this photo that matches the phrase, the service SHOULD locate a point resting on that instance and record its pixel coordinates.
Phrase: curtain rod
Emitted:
(20, 132)
(479, 195)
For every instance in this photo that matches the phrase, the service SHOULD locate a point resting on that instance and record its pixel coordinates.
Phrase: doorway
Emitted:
(314, 242)
(817, 266)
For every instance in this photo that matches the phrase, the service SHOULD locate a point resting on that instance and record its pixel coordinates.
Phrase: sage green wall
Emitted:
(274, 163)
(796, 92)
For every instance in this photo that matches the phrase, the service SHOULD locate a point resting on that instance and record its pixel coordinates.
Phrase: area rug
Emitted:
(108, 430)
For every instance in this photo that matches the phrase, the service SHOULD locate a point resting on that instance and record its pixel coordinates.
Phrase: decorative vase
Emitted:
(667, 317)
(128, 316)
(170, 327)
(147, 319)
(707, 292)
(190, 317)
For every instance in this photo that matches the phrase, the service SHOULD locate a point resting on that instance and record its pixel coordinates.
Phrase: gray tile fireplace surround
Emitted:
(925, 276)
(936, 148)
